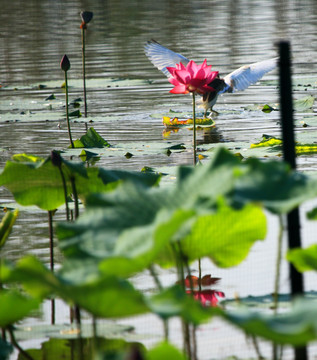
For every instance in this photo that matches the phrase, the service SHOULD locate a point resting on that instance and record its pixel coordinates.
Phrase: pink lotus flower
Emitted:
(207, 297)
(192, 78)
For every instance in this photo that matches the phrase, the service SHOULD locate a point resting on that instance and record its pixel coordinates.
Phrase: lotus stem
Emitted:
(194, 128)
(186, 330)
(160, 288)
(50, 225)
(65, 193)
(277, 276)
(278, 264)
(16, 345)
(180, 273)
(83, 41)
(257, 348)
(67, 115)
(75, 195)
(65, 66)
(194, 340)
(86, 17)
(57, 161)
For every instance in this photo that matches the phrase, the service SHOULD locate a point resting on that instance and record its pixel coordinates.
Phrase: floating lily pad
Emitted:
(108, 329)
(302, 104)
(271, 141)
(267, 140)
(78, 83)
(176, 123)
(298, 83)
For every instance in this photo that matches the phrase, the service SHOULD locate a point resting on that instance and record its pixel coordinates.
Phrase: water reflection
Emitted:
(72, 348)
(210, 136)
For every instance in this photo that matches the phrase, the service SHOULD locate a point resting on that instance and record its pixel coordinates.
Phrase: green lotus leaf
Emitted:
(40, 183)
(303, 259)
(14, 307)
(6, 225)
(165, 351)
(273, 185)
(296, 327)
(103, 296)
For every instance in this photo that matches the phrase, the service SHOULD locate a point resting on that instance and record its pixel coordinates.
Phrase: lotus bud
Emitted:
(65, 64)
(86, 16)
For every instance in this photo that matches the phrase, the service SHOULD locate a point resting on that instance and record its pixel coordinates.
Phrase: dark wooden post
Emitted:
(293, 221)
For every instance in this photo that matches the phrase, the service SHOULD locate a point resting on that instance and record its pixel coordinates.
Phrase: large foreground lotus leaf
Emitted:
(131, 207)
(304, 259)
(139, 247)
(165, 351)
(226, 235)
(273, 185)
(103, 296)
(131, 226)
(108, 215)
(36, 181)
(296, 327)
(14, 307)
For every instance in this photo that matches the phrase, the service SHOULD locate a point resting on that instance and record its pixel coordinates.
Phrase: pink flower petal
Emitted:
(179, 89)
(182, 76)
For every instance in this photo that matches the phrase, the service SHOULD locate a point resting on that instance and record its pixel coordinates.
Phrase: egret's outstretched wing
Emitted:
(247, 75)
(161, 57)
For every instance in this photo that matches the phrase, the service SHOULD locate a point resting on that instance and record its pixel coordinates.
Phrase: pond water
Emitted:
(36, 34)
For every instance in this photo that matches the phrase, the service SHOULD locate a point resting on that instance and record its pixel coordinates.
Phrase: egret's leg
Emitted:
(213, 112)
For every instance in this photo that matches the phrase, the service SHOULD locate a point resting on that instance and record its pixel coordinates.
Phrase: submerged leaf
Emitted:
(304, 103)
